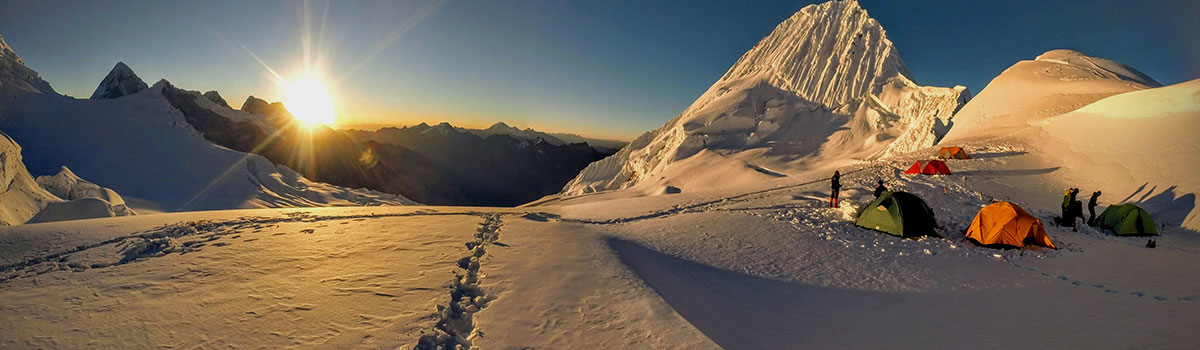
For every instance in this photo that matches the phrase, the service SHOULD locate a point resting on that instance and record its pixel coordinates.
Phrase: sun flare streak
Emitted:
(308, 101)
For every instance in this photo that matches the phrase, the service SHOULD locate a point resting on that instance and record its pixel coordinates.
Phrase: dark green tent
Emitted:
(1127, 219)
(898, 213)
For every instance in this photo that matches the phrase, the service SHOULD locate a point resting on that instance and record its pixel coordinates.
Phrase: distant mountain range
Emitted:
(502, 128)
(173, 149)
(476, 168)
(439, 165)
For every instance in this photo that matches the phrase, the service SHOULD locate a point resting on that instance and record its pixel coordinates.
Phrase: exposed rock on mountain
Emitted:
(495, 170)
(121, 81)
(213, 95)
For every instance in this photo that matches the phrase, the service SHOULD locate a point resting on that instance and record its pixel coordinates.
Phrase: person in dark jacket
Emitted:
(1092, 208)
(836, 184)
(1066, 206)
(1071, 208)
(879, 190)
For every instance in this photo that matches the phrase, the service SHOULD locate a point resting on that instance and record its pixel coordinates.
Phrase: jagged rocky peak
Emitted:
(254, 105)
(14, 73)
(215, 97)
(120, 81)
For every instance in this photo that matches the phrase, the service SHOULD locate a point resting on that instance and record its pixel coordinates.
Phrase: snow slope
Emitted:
(141, 147)
(1095, 124)
(1054, 83)
(764, 267)
(825, 87)
(1135, 147)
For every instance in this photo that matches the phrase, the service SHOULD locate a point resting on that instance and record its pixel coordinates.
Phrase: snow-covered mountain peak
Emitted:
(501, 127)
(828, 53)
(215, 97)
(253, 103)
(14, 73)
(825, 88)
(7, 53)
(120, 81)
(1100, 68)
(443, 127)
(1030, 91)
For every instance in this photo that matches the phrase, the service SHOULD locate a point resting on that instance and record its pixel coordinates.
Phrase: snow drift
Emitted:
(20, 196)
(49, 198)
(68, 186)
(826, 85)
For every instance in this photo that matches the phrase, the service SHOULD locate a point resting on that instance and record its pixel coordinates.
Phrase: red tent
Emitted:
(915, 169)
(936, 167)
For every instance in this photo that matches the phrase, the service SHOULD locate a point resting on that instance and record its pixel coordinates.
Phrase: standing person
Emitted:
(1092, 208)
(1066, 205)
(836, 184)
(1077, 213)
(880, 189)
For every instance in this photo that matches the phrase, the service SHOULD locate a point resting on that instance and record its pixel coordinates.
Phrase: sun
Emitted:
(308, 101)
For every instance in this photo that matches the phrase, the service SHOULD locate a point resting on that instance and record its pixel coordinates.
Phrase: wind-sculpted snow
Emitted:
(826, 86)
(68, 186)
(20, 196)
(1056, 82)
(830, 53)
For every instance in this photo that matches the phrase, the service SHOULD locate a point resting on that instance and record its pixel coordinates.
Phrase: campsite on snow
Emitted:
(814, 196)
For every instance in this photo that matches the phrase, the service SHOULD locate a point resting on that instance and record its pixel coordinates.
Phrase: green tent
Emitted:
(898, 213)
(1127, 219)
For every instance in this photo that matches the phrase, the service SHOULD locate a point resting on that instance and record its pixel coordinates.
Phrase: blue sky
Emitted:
(603, 68)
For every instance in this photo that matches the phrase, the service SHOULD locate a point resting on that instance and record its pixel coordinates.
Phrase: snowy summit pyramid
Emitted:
(121, 81)
(825, 88)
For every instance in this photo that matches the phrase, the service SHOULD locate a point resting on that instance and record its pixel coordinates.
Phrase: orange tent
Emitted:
(936, 167)
(1004, 223)
(953, 153)
(915, 169)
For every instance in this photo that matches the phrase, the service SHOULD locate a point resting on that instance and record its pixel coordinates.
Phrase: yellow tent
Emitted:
(953, 153)
(1004, 223)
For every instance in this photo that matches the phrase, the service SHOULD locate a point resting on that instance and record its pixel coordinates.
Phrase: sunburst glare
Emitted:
(309, 102)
